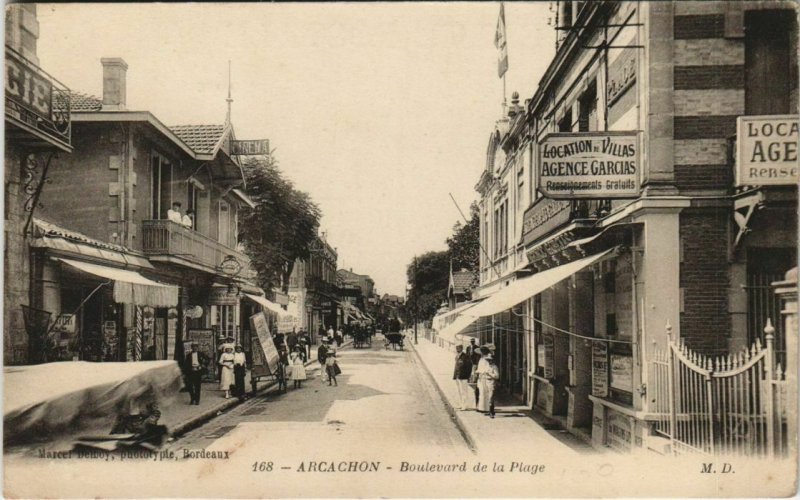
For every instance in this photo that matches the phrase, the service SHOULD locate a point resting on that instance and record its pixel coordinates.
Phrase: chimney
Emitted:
(114, 88)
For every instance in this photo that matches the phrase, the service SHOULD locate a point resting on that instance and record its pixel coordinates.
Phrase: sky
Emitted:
(378, 110)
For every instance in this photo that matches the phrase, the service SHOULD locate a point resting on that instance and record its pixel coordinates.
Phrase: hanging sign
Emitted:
(253, 147)
(589, 165)
(600, 369)
(766, 150)
(65, 323)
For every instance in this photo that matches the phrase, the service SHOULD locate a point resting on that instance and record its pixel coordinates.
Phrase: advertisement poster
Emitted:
(268, 352)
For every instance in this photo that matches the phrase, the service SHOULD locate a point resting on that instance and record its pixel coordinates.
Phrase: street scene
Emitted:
(422, 250)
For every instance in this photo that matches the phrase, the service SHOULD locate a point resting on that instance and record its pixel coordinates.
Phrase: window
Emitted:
(191, 195)
(770, 74)
(160, 186)
(587, 121)
(565, 124)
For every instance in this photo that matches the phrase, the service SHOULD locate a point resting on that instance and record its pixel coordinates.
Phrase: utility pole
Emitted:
(415, 300)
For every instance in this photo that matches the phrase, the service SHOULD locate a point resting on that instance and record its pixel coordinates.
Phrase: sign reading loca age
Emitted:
(589, 165)
(766, 150)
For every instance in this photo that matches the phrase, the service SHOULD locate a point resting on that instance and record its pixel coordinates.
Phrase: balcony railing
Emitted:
(35, 100)
(546, 215)
(167, 238)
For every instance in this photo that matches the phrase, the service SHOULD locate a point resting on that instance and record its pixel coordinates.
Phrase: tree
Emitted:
(281, 227)
(429, 278)
(464, 245)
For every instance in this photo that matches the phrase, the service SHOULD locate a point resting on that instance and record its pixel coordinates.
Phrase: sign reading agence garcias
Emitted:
(766, 150)
(589, 165)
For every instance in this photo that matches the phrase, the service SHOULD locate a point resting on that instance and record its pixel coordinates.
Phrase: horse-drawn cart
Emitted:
(393, 340)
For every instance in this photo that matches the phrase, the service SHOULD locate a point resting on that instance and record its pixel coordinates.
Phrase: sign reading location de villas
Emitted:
(589, 165)
(766, 150)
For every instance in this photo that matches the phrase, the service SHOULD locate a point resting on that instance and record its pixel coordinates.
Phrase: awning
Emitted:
(269, 305)
(519, 291)
(131, 287)
(438, 322)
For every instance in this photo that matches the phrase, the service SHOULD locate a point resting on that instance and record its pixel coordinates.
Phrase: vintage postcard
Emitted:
(401, 250)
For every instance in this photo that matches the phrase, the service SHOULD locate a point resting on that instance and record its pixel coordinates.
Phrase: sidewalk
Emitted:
(511, 430)
(180, 417)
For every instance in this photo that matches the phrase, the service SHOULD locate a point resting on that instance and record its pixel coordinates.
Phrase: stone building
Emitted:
(37, 132)
(648, 187)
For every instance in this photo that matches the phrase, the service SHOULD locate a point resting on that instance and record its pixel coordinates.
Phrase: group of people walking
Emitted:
(476, 374)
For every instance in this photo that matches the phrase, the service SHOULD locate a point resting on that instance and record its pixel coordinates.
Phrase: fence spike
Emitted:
(778, 372)
(746, 354)
(758, 344)
(709, 366)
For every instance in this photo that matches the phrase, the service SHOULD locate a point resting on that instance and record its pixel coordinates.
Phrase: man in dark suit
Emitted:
(194, 366)
(461, 374)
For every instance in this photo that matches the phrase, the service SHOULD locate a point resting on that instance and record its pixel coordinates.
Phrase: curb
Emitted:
(462, 429)
(200, 419)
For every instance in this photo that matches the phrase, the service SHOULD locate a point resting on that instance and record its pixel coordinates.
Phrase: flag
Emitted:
(500, 43)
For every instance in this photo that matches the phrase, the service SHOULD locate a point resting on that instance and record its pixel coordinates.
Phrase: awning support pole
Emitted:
(50, 330)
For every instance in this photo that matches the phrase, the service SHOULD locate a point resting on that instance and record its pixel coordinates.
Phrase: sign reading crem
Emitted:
(589, 165)
(766, 150)
(256, 147)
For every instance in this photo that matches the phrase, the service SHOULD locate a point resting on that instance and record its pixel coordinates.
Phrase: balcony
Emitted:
(167, 241)
(546, 215)
(37, 105)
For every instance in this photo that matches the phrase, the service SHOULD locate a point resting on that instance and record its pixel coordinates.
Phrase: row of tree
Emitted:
(429, 274)
(282, 226)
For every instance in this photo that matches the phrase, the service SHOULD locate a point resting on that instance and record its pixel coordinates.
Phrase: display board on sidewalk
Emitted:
(207, 345)
(265, 354)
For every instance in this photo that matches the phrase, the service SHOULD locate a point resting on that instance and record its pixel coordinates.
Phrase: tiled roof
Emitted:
(463, 281)
(84, 102)
(46, 228)
(200, 138)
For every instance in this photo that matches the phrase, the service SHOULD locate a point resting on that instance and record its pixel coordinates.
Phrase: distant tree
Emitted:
(464, 245)
(429, 277)
(281, 227)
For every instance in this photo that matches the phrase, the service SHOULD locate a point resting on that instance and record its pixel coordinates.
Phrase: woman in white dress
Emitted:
(226, 378)
(298, 367)
(487, 376)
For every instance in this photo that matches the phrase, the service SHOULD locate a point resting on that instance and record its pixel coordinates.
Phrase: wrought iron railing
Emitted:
(35, 99)
(165, 237)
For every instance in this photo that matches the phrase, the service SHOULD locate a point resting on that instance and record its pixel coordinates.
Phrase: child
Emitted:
(332, 368)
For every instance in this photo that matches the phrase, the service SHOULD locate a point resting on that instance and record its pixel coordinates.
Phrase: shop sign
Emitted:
(622, 372)
(230, 266)
(600, 369)
(263, 341)
(251, 147)
(619, 432)
(621, 75)
(544, 216)
(65, 323)
(220, 296)
(589, 165)
(34, 99)
(540, 355)
(766, 150)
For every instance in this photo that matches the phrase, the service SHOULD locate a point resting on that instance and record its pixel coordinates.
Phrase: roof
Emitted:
(46, 228)
(463, 281)
(200, 138)
(84, 102)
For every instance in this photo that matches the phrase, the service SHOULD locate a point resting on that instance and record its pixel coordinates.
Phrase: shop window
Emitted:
(770, 70)
(611, 324)
(609, 282)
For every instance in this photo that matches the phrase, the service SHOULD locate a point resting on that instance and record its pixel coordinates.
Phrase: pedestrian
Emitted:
(298, 367)
(487, 378)
(239, 371)
(475, 357)
(322, 356)
(284, 369)
(332, 367)
(174, 213)
(461, 374)
(195, 366)
(226, 371)
(339, 337)
(331, 333)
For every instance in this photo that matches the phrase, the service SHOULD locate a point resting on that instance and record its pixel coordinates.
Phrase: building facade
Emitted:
(37, 132)
(136, 248)
(622, 204)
